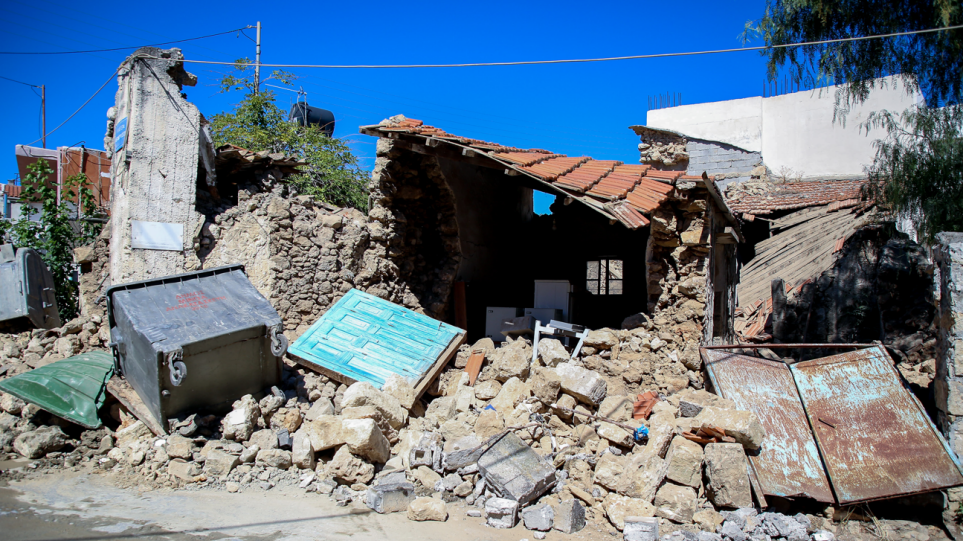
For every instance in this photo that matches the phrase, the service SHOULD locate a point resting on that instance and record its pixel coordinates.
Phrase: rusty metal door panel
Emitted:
(875, 438)
(788, 463)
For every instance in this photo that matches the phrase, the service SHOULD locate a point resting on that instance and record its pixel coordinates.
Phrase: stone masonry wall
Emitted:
(948, 255)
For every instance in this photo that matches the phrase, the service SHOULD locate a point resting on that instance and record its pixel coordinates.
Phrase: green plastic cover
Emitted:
(74, 388)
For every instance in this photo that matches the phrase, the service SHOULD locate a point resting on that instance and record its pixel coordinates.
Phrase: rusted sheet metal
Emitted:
(874, 436)
(788, 462)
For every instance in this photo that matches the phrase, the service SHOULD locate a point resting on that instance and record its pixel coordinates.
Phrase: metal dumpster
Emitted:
(26, 289)
(195, 341)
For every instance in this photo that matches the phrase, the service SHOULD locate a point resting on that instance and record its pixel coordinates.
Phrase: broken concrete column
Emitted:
(514, 471)
(390, 497)
(156, 143)
(501, 513)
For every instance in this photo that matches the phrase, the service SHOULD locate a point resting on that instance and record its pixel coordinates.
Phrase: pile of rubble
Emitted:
(525, 444)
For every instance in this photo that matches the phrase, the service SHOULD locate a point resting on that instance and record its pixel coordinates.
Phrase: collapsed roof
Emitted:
(626, 193)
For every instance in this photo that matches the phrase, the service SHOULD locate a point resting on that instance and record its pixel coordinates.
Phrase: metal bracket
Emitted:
(176, 367)
(279, 342)
(559, 328)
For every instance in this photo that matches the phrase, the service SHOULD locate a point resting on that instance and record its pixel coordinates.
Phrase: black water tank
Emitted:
(304, 114)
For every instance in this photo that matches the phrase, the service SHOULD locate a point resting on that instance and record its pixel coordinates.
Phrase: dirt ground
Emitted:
(83, 506)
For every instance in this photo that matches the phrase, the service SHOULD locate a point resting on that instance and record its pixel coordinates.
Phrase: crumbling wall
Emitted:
(662, 148)
(413, 215)
(677, 253)
(948, 255)
(154, 173)
(94, 261)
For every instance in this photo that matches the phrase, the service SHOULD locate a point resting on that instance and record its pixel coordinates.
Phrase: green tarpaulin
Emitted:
(73, 388)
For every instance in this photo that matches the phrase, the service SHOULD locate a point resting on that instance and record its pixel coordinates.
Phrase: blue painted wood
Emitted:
(369, 339)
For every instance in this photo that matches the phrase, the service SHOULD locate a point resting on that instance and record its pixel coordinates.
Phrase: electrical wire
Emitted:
(79, 108)
(133, 46)
(584, 60)
(16, 81)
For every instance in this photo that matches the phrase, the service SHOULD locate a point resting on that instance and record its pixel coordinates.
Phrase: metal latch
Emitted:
(279, 342)
(176, 367)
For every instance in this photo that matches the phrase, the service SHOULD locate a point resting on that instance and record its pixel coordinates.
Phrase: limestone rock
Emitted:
(685, 462)
(502, 513)
(180, 447)
(676, 503)
(489, 423)
(302, 453)
(400, 389)
(707, 520)
(264, 439)
(744, 426)
(364, 394)
(219, 464)
(617, 507)
(325, 432)
(441, 410)
(511, 361)
(615, 434)
(348, 468)
(486, 390)
(426, 476)
(587, 386)
(545, 385)
(643, 476)
(539, 517)
(39, 442)
(68, 346)
(617, 408)
(136, 431)
(609, 470)
(242, 421)
(274, 458)
(422, 509)
(552, 352)
(602, 339)
(728, 480)
(570, 517)
(286, 418)
(187, 471)
(322, 406)
(693, 401)
(364, 438)
(11, 404)
(511, 394)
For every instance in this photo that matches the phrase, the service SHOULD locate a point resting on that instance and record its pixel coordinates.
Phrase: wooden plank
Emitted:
(443, 359)
(125, 394)
(474, 366)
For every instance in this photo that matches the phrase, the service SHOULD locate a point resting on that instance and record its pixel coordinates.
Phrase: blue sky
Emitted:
(575, 109)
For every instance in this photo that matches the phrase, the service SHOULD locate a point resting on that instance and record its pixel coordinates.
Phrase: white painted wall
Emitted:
(794, 132)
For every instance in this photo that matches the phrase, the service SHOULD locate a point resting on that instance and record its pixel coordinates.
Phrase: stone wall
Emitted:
(948, 255)
(662, 148)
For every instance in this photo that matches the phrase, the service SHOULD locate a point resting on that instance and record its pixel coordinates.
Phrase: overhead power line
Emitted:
(112, 75)
(583, 60)
(16, 81)
(132, 46)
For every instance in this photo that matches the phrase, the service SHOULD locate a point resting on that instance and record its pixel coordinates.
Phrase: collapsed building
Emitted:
(533, 433)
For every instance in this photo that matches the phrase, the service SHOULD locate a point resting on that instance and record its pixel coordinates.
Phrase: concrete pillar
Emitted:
(154, 167)
(948, 256)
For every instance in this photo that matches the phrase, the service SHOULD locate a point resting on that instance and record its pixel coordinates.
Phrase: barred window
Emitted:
(604, 277)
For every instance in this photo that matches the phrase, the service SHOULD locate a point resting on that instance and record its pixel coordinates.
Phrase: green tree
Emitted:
(55, 232)
(332, 173)
(918, 171)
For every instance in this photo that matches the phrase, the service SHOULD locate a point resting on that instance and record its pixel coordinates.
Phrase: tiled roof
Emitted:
(797, 195)
(625, 192)
(12, 190)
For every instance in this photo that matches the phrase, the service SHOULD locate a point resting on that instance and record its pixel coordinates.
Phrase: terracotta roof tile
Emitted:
(587, 174)
(12, 190)
(552, 168)
(797, 195)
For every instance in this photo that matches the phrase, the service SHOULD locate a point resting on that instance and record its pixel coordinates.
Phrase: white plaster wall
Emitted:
(795, 132)
(736, 122)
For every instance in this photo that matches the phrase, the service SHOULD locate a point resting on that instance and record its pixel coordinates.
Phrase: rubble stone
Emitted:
(136, 430)
(744, 426)
(39, 442)
(180, 447)
(617, 408)
(441, 410)
(615, 434)
(462, 453)
(609, 470)
(511, 394)
(188, 471)
(241, 422)
(422, 509)
(641, 529)
(676, 503)
(539, 517)
(322, 406)
(325, 432)
(569, 517)
(501, 513)
(390, 497)
(287, 419)
(685, 462)
(264, 439)
(302, 453)
(11, 404)
(727, 479)
(545, 385)
(708, 520)
(601, 339)
(513, 470)
(618, 508)
(587, 386)
(364, 394)
(643, 476)
(511, 361)
(275, 458)
(219, 464)
(486, 390)
(400, 389)
(489, 423)
(552, 352)
(348, 468)
(364, 438)
(426, 476)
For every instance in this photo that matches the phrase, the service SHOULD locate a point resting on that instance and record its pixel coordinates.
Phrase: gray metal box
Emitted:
(494, 316)
(26, 289)
(544, 315)
(195, 341)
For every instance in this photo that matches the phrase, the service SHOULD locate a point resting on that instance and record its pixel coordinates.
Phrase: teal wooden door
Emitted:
(368, 339)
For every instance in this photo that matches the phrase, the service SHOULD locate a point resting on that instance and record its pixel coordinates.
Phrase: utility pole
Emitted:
(43, 115)
(257, 60)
